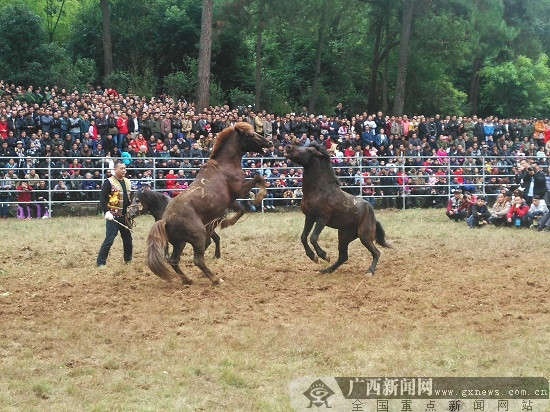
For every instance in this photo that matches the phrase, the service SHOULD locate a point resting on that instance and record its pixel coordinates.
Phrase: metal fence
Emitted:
(392, 181)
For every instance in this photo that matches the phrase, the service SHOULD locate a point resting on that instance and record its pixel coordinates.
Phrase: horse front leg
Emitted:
(310, 221)
(319, 226)
(235, 207)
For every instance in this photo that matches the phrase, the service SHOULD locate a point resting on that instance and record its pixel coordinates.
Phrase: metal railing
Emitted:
(397, 181)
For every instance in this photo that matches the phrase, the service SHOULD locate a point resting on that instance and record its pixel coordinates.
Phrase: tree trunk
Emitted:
(321, 35)
(474, 86)
(205, 52)
(107, 43)
(399, 100)
(261, 25)
(385, 78)
(373, 89)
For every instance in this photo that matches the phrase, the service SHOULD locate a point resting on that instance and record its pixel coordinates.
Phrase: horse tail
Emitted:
(262, 193)
(381, 236)
(157, 245)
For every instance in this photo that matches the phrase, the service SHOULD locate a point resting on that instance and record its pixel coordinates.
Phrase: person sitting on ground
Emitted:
(480, 213)
(544, 222)
(518, 212)
(499, 211)
(538, 209)
(457, 207)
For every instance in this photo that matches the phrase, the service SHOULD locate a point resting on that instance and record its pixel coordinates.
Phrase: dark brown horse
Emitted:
(192, 216)
(325, 204)
(145, 200)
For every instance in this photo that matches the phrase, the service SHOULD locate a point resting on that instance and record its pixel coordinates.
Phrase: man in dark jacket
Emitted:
(480, 213)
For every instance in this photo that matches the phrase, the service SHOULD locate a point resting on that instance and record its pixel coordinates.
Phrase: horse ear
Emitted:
(244, 128)
(315, 151)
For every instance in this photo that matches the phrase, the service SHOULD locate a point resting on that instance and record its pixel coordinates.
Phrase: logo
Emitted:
(318, 393)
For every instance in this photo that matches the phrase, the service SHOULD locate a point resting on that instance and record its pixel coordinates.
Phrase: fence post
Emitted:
(404, 183)
(50, 188)
(361, 177)
(483, 175)
(449, 177)
(262, 175)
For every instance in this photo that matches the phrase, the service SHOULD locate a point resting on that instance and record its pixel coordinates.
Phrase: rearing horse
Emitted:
(325, 204)
(192, 216)
(145, 200)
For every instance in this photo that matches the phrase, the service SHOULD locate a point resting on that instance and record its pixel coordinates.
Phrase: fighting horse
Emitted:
(325, 204)
(193, 215)
(145, 200)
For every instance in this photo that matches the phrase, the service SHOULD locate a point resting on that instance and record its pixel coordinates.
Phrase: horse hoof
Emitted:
(217, 281)
(315, 259)
(187, 282)
(327, 259)
(370, 273)
(325, 271)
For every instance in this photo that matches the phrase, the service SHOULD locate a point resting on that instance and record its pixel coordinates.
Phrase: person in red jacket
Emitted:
(24, 199)
(518, 212)
(122, 125)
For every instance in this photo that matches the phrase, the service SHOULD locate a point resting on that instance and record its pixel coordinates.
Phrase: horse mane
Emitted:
(224, 135)
(325, 162)
(151, 197)
(321, 148)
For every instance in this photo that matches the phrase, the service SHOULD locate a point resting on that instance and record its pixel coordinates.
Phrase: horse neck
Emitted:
(318, 174)
(230, 153)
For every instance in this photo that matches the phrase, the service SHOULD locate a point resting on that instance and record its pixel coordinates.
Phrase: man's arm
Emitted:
(104, 195)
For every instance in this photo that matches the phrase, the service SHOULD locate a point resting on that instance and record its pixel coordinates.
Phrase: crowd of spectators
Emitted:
(66, 143)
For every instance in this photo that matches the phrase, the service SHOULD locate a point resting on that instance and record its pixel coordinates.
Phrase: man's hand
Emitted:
(109, 216)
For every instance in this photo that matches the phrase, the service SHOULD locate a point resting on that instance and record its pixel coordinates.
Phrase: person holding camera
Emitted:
(114, 199)
(532, 180)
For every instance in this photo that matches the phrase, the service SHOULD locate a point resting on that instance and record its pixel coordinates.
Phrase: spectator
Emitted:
(538, 209)
(499, 211)
(480, 214)
(457, 207)
(517, 215)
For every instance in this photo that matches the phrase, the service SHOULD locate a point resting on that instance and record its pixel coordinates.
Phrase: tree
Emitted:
(517, 88)
(205, 52)
(259, 31)
(399, 100)
(54, 11)
(107, 43)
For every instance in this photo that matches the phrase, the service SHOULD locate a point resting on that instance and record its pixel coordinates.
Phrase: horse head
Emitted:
(305, 155)
(250, 140)
(136, 208)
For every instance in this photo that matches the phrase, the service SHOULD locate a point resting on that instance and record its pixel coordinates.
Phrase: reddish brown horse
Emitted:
(193, 215)
(325, 204)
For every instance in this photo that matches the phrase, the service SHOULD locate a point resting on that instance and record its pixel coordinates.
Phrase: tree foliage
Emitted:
(463, 54)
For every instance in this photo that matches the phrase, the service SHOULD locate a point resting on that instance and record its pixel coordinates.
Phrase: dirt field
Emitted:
(447, 301)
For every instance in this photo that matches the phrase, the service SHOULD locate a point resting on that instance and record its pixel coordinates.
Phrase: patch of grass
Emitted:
(445, 301)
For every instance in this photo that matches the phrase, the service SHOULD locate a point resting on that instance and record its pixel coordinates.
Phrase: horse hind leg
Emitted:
(367, 235)
(319, 226)
(174, 260)
(344, 239)
(198, 249)
(216, 238)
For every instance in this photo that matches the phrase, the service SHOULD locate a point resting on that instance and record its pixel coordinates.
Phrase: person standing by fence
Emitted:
(114, 200)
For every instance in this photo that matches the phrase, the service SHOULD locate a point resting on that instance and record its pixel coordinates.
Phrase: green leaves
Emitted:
(517, 88)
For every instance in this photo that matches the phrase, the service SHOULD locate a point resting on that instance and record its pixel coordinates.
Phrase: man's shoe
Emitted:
(101, 266)
(128, 262)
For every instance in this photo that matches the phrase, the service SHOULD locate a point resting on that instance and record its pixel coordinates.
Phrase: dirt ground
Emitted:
(446, 301)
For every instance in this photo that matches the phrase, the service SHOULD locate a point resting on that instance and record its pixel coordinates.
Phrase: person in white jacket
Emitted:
(537, 209)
